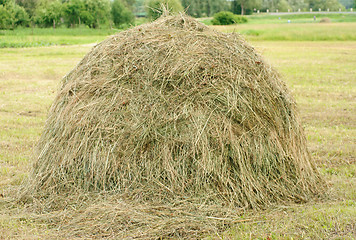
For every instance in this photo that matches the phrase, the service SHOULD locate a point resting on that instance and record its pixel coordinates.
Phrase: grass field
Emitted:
(254, 32)
(302, 27)
(320, 74)
(42, 37)
(264, 18)
(259, 28)
(301, 18)
(294, 32)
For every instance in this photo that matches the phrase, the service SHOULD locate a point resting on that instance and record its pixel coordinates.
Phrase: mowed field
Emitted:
(321, 75)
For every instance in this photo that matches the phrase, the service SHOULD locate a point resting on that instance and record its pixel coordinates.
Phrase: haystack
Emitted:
(175, 109)
(325, 20)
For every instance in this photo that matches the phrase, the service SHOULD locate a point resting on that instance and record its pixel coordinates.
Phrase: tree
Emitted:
(154, 10)
(347, 3)
(28, 5)
(92, 13)
(5, 2)
(245, 6)
(333, 5)
(48, 13)
(100, 12)
(5, 18)
(215, 6)
(73, 12)
(12, 15)
(200, 8)
(194, 8)
(283, 6)
(121, 15)
(19, 15)
(298, 4)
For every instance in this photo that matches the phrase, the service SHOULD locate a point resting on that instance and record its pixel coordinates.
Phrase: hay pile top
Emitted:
(175, 109)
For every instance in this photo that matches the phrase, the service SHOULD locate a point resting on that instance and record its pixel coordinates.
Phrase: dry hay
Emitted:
(325, 20)
(176, 115)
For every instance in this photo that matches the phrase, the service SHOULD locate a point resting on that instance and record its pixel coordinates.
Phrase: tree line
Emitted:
(121, 13)
(70, 13)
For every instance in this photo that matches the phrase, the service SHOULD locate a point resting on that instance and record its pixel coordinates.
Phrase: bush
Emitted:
(154, 10)
(227, 18)
(240, 19)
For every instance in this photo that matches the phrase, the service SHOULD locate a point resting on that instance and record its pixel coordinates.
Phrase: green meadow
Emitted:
(294, 32)
(42, 37)
(259, 28)
(317, 61)
(302, 27)
(264, 18)
(38, 37)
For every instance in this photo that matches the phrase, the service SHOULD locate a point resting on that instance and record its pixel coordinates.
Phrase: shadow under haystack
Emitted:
(174, 109)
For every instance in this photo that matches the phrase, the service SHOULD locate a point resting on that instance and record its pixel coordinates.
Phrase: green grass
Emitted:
(39, 37)
(300, 18)
(302, 27)
(294, 18)
(294, 32)
(320, 221)
(44, 37)
(321, 76)
(262, 32)
(260, 27)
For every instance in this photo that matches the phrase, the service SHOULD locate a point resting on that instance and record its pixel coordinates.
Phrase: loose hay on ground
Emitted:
(173, 115)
